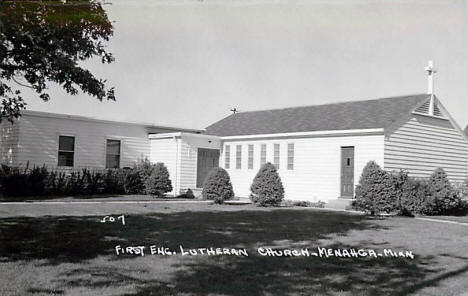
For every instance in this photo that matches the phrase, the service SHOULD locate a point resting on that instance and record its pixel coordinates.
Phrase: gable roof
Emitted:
(379, 113)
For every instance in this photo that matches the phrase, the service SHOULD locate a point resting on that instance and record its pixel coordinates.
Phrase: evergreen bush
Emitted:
(158, 182)
(217, 186)
(443, 199)
(373, 193)
(267, 188)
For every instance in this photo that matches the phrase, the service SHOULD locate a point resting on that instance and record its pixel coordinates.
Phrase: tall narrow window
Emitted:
(238, 156)
(290, 156)
(227, 157)
(262, 154)
(251, 156)
(113, 154)
(276, 156)
(66, 151)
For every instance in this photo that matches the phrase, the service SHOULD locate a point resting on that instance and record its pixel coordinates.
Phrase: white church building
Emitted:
(319, 151)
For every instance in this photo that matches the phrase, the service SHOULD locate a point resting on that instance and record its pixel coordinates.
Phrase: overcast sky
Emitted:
(186, 63)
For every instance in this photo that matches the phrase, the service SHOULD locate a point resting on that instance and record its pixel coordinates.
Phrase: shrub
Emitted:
(443, 198)
(217, 186)
(158, 183)
(133, 183)
(414, 194)
(144, 169)
(267, 188)
(188, 194)
(114, 181)
(373, 191)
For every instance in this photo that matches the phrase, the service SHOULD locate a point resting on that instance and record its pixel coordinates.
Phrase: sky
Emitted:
(186, 63)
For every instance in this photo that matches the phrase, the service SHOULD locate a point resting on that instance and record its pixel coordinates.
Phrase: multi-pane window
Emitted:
(66, 151)
(227, 156)
(276, 155)
(262, 154)
(251, 156)
(238, 156)
(290, 156)
(113, 154)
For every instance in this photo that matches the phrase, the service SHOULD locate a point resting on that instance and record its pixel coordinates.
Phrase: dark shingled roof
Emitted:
(378, 113)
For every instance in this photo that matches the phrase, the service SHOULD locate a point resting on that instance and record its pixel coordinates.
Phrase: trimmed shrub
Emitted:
(414, 194)
(373, 191)
(443, 199)
(158, 182)
(217, 186)
(267, 188)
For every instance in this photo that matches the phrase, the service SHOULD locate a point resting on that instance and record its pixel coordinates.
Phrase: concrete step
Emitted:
(339, 203)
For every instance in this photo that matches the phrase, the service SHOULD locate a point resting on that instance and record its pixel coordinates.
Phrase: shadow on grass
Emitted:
(75, 239)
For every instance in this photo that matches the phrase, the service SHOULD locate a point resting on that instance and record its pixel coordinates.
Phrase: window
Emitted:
(238, 156)
(251, 156)
(227, 156)
(262, 154)
(66, 151)
(290, 156)
(276, 155)
(113, 154)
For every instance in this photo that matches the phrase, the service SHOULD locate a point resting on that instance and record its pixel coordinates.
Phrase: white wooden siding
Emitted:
(167, 151)
(9, 135)
(422, 144)
(189, 157)
(179, 154)
(38, 141)
(317, 164)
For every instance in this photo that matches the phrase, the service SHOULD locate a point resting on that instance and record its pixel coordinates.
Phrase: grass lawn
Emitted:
(63, 249)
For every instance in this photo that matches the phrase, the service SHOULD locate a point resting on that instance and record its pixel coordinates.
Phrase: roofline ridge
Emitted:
(335, 103)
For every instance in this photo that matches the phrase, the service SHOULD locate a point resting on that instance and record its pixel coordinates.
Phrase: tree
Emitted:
(267, 188)
(217, 186)
(158, 183)
(43, 42)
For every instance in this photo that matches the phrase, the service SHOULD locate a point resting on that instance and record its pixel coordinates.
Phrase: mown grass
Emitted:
(54, 250)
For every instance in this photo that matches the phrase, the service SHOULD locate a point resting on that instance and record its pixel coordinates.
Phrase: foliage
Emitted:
(158, 182)
(188, 194)
(303, 203)
(415, 192)
(380, 191)
(217, 186)
(46, 41)
(373, 193)
(132, 182)
(443, 199)
(267, 188)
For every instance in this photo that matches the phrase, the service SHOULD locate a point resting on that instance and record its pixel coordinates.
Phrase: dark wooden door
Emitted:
(207, 159)
(347, 171)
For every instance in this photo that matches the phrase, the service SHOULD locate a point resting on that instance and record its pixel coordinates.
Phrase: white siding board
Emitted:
(38, 142)
(424, 144)
(317, 164)
(166, 151)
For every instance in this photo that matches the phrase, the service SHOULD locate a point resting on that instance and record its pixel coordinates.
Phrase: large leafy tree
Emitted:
(43, 42)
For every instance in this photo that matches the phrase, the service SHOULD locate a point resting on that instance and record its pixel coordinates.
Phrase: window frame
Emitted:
(238, 157)
(291, 156)
(250, 156)
(227, 156)
(66, 151)
(276, 156)
(120, 152)
(263, 154)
